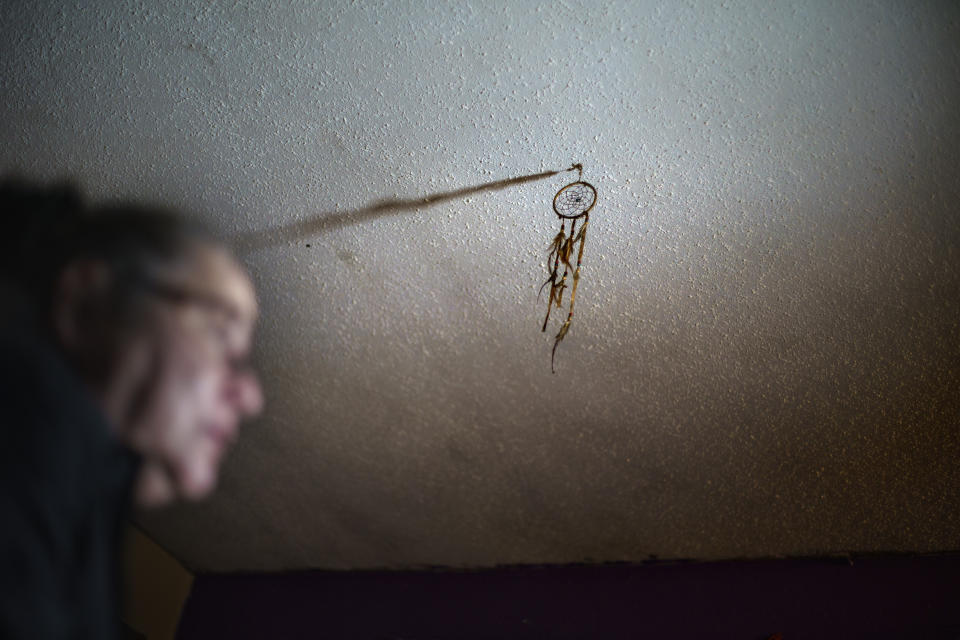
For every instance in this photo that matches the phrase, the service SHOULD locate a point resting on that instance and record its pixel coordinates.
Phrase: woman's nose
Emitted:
(245, 394)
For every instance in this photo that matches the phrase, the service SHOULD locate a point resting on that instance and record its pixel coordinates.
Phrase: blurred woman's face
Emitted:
(185, 375)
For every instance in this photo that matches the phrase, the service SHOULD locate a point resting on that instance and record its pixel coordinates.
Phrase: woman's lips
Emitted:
(223, 435)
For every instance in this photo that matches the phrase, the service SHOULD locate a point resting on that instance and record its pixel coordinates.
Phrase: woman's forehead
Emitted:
(213, 272)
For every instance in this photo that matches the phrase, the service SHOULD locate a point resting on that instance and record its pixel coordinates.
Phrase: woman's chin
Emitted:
(153, 488)
(198, 488)
(199, 479)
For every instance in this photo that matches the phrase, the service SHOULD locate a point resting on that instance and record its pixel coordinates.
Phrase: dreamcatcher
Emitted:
(572, 203)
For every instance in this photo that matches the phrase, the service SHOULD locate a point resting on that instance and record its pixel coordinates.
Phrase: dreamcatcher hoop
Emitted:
(575, 200)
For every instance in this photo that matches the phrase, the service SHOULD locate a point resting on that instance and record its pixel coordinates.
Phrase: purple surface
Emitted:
(803, 599)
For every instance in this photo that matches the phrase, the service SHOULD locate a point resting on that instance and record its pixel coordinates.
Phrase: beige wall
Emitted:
(156, 586)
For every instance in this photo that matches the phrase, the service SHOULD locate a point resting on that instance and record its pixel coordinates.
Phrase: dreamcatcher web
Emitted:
(574, 200)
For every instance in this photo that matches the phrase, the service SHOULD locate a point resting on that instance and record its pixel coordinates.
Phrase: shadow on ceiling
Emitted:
(325, 222)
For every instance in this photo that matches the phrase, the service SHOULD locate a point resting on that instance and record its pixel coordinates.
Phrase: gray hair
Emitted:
(51, 226)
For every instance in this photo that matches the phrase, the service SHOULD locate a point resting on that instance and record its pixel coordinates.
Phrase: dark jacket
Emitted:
(65, 485)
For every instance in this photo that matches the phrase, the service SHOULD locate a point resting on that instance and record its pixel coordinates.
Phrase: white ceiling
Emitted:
(764, 356)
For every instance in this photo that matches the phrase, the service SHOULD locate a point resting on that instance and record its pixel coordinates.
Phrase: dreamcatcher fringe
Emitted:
(561, 249)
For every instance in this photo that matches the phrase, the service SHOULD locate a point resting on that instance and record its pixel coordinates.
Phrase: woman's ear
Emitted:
(79, 306)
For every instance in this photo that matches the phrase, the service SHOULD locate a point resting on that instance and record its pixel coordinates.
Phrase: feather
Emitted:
(566, 251)
(582, 231)
(556, 245)
(560, 287)
(552, 280)
(573, 290)
(556, 342)
(553, 292)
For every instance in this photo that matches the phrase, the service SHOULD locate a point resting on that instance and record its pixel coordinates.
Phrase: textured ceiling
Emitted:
(764, 357)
